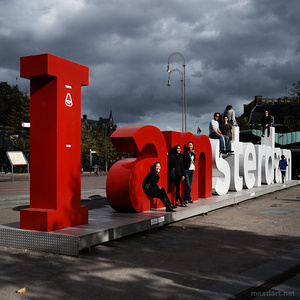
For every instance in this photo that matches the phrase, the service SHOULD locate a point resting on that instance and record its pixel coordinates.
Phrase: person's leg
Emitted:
(214, 135)
(263, 131)
(191, 182)
(282, 175)
(187, 186)
(177, 186)
(268, 128)
(227, 143)
(165, 199)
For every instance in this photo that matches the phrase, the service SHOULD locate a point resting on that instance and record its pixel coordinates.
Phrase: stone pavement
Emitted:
(215, 256)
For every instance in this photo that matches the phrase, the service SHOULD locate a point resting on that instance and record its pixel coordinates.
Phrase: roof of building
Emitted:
(102, 122)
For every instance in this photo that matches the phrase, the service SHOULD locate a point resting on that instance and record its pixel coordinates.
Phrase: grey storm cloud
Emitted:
(233, 49)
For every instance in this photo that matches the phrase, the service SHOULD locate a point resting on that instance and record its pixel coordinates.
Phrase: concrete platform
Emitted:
(105, 224)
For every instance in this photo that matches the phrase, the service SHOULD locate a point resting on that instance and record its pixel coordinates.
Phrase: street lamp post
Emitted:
(183, 86)
(105, 137)
(182, 92)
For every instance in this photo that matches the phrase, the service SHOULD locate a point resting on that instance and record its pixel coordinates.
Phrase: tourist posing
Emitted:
(177, 172)
(215, 133)
(189, 158)
(151, 188)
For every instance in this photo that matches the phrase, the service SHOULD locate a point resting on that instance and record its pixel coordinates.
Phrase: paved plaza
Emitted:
(213, 256)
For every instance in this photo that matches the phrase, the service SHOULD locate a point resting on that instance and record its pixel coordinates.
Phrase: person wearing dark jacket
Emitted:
(151, 188)
(265, 123)
(189, 159)
(282, 166)
(177, 172)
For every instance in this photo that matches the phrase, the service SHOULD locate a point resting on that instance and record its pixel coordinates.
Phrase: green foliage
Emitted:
(292, 111)
(244, 125)
(295, 90)
(96, 139)
(14, 107)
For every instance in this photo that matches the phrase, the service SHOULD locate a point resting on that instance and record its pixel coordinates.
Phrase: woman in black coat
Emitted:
(151, 188)
(177, 172)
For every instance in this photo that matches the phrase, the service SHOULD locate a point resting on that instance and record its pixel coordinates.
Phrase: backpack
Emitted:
(146, 185)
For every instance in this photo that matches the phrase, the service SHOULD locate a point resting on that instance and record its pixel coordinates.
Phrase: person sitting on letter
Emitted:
(215, 133)
(151, 188)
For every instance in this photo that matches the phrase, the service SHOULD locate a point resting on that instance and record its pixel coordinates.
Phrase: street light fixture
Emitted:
(182, 92)
(183, 86)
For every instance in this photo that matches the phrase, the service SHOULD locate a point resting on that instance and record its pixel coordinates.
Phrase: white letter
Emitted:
(268, 166)
(220, 170)
(236, 181)
(248, 165)
(260, 152)
(288, 157)
(277, 154)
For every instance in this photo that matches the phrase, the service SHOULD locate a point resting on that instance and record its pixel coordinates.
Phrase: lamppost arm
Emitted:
(179, 54)
(184, 101)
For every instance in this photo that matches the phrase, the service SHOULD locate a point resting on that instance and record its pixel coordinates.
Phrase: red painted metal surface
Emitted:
(124, 180)
(55, 141)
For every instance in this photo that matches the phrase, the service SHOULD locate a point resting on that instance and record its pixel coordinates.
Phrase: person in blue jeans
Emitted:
(215, 133)
(282, 166)
(189, 158)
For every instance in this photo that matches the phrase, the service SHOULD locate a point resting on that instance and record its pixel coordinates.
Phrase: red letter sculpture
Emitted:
(204, 165)
(125, 178)
(55, 131)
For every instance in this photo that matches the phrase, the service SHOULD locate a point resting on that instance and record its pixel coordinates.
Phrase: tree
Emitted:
(292, 110)
(97, 139)
(295, 90)
(14, 109)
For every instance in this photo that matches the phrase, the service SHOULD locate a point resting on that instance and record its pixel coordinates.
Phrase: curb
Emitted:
(11, 201)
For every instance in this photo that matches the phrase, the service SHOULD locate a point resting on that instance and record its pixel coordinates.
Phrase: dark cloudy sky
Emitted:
(233, 49)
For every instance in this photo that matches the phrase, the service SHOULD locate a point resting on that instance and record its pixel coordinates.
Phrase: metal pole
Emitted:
(182, 100)
(105, 148)
(183, 96)
(91, 161)
(185, 101)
